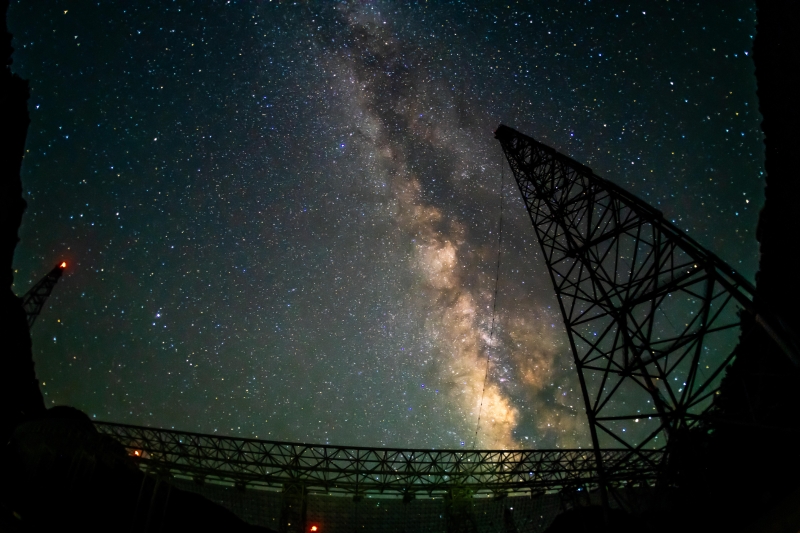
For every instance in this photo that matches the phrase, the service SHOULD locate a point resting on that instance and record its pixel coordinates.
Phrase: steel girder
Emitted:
(652, 317)
(35, 298)
(359, 470)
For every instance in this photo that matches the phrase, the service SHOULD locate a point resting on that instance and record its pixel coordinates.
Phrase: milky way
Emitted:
(282, 219)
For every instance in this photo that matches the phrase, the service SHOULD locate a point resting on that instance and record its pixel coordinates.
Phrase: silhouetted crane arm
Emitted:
(34, 299)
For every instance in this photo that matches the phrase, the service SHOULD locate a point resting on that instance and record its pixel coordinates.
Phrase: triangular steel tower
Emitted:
(652, 317)
(35, 298)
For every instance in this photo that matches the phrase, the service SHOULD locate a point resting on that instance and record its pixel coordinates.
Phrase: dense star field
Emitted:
(281, 219)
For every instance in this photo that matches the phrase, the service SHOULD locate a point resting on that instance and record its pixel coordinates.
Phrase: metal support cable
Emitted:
(494, 303)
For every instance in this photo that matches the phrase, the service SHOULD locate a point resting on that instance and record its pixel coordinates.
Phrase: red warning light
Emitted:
(63, 265)
(314, 529)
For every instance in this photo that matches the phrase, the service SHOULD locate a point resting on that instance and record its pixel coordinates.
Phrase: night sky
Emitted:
(281, 218)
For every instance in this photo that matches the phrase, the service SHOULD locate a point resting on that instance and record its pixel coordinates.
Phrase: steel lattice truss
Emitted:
(248, 462)
(652, 317)
(34, 299)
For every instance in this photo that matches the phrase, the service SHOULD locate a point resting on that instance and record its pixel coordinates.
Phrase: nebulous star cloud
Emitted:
(282, 217)
(385, 88)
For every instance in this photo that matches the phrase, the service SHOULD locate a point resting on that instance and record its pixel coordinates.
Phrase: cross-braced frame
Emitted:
(33, 301)
(361, 470)
(652, 317)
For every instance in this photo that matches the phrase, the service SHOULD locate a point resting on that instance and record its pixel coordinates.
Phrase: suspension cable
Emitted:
(494, 304)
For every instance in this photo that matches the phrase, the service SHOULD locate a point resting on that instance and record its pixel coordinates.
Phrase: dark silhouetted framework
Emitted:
(653, 318)
(357, 470)
(34, 299)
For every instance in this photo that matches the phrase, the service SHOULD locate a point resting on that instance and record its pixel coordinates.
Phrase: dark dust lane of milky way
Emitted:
(281, 218)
